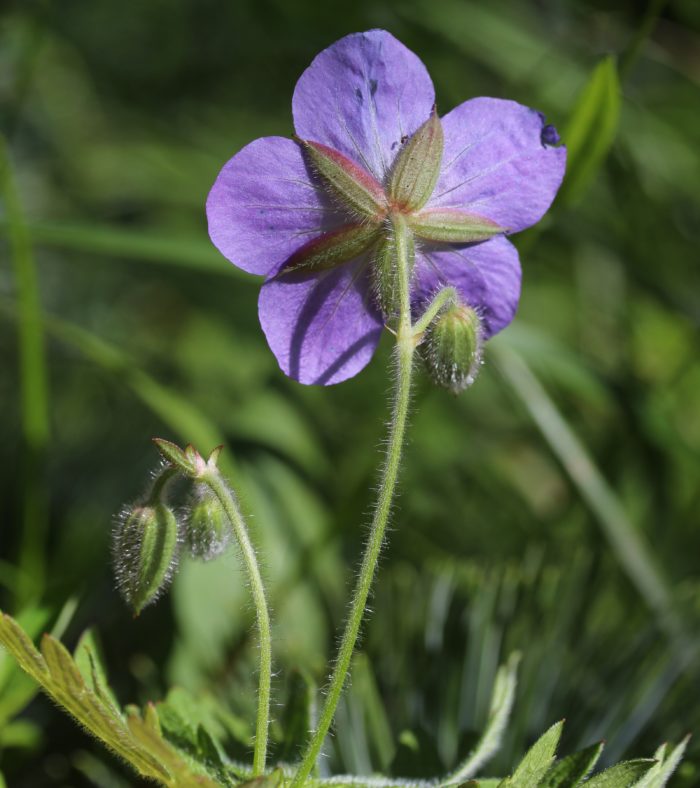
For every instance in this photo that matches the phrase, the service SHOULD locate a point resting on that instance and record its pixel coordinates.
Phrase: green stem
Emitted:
(448, 295)
(33, 390)
(402, 392)
(226, 498)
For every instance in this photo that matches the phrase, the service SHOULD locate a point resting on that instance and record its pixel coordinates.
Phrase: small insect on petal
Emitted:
(417, 167)
(450, 225)
(347, 182)
(332, 249)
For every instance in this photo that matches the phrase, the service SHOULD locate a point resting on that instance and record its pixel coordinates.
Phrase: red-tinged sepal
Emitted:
(417, 166)
(333, 248)
(349, 184)
(450, 225)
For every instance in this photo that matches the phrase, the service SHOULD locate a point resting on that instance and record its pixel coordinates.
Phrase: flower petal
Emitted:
(362, 96)
(486, 275)
(498, 163)
(264, 206)
(323, 327)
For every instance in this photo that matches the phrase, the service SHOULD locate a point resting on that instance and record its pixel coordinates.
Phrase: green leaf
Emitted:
(364, 689)
(21, 733)
(88, 658)
(592, 128)
(537, 759)
(622, 775)
(660, 773)
(137, 739)
(502, 697)
(273, 780)
(297, 716)
(569, 771)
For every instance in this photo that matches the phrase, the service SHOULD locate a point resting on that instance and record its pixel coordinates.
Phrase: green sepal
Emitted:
(333, 248)
(175, 456)
(450, 225)
(347, 182)
(417, 166)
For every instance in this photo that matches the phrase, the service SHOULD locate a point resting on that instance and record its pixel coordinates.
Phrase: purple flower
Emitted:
(309, 214)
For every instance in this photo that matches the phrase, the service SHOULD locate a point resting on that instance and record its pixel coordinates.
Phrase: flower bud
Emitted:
(207, 529)
(452, 347)
(145, 551)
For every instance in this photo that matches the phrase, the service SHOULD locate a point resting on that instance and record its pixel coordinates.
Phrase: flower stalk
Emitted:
(206, 472)
(404, 352)
(212, 478)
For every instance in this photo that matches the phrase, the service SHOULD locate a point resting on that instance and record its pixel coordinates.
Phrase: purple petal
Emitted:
(361, 96)
(486, 275)
(264, 206)
(497, 163)
(322, 328)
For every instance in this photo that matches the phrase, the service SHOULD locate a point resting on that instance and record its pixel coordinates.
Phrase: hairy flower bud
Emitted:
(452, 347)
(145, 551)
(207, 529)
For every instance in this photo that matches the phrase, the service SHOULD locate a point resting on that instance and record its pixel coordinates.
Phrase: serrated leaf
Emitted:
(622, 775)
(137, 739)
(569, 771)
(661, 772)
(13, 637)
(88, 658)
(538, 759)
(502, 697)
(592, 127)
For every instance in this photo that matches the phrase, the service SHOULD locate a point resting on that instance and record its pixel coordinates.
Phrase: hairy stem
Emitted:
(401, 399)
(448, 295)
(216, 484)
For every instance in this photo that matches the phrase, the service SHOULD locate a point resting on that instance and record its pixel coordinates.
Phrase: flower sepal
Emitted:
(333, 248)
(450, 225)
(347, 182)
(417, 166)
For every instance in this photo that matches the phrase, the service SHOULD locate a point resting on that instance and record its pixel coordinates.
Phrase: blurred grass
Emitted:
(33, 393)
(117, 125)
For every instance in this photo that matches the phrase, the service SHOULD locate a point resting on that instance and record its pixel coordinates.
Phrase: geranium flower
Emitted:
(310, 213)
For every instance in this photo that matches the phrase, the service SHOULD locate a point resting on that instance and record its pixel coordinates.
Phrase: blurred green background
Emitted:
(553, 508)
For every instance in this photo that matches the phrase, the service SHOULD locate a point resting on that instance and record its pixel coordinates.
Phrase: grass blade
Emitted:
(34, 394)
(631, 550)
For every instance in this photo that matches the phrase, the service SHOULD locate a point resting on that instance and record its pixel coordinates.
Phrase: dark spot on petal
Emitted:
(550, 136)
(358, 93)
(373, 86)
